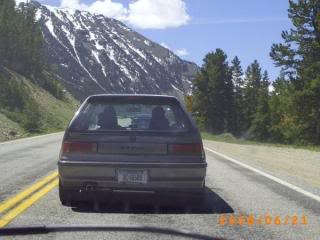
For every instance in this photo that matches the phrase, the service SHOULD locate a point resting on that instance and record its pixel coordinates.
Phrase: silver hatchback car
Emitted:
(106, 147)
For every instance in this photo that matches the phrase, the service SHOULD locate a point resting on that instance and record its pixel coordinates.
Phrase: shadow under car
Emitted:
(158, 203)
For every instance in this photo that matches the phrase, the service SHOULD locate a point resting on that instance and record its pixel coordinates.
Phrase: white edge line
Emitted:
(29, 138)
(278, 180)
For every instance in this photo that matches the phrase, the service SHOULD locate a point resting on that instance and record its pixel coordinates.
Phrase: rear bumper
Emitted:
(102, 176)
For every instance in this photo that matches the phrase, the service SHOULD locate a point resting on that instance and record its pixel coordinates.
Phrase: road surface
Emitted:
(242, 203)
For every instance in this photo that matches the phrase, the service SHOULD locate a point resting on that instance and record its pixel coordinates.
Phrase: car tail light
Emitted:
(186, 149)
(78, 147)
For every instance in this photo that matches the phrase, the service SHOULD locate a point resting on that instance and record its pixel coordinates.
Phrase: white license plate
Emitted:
(132, 176)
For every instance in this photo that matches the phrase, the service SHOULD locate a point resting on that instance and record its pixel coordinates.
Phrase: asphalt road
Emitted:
(232, 191)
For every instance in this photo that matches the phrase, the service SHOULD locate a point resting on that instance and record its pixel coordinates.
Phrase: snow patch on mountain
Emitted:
(96, 54)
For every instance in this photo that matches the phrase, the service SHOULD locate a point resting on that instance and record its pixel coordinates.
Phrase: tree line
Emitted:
(21, 42)
(22, 46)
(22, 51)
(226, 99)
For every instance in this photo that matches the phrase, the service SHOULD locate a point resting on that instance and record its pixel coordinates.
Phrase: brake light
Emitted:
(78, 147)
(185, 149)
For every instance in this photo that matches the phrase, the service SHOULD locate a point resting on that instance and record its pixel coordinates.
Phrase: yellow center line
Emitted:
(12, 214)
(7, 204)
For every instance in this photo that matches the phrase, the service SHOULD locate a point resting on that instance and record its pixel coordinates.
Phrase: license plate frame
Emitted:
(132, 176)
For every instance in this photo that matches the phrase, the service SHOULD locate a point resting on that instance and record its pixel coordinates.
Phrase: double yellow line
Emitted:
(16, 205)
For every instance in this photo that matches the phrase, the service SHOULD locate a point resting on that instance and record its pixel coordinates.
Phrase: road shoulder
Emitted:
(297, 166)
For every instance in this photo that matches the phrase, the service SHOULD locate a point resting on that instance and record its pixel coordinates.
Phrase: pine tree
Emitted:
(282, 121)
(252, 83)
(33, 122)
(299, 58)
(7, 31)
(213, 93)
(20, 39)
(229, 102)
(238, 83)
(261, 122)
(21, 50)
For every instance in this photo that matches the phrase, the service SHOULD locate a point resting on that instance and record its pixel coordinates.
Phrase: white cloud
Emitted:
(20, 1)
(271, 88)
(158, 14)
(105, 7)
(182, 52)
(74, 4)
(109, 9)
(152, 14)
(165, 45)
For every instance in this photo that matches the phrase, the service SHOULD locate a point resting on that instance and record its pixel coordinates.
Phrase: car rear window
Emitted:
(131, 114)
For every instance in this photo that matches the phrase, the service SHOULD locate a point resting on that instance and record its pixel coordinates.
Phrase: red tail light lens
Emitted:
(186, 149)
(78, 147)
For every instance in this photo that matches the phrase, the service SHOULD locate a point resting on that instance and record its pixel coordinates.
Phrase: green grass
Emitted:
(229, 138)
(10, 129)
(54, 113)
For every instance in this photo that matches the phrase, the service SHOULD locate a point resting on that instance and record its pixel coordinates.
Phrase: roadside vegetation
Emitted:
(31, 100)
(230, 138)
(21, 46)
(27, 109)
(227, 99)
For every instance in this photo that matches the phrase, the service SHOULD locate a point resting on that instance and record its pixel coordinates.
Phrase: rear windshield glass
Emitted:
(131, 116)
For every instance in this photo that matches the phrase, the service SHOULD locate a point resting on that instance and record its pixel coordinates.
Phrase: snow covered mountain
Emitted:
(95, 54)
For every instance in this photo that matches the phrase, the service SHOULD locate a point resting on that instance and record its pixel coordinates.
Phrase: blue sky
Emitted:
(246, 28)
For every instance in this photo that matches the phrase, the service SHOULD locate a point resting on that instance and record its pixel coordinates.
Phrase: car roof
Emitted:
(132, 95)
(140, 96)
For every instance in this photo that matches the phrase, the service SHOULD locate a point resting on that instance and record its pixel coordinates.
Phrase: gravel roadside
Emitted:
(298, 166)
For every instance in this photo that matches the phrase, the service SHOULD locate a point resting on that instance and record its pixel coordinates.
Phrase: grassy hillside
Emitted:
(9, 129)
(55, 113)
(27, 109)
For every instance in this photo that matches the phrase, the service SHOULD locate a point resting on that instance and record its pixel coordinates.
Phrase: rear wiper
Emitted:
(30, 230)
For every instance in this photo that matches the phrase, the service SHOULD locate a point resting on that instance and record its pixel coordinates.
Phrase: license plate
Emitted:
(132, 176)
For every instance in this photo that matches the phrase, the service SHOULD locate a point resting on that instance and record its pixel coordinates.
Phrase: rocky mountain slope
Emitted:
(95, 54)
